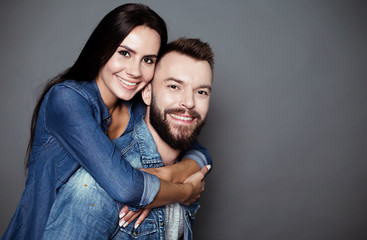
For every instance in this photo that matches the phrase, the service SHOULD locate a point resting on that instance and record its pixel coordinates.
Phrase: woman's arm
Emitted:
(186, 193)
(127, 216)
(192, 161)
(70, 118)
(176, 173)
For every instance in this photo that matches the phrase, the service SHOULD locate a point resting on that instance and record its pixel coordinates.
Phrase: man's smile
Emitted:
(183, 118)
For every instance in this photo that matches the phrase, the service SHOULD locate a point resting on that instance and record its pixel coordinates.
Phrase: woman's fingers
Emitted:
(128, 216)
(123, 211)
(141, 218)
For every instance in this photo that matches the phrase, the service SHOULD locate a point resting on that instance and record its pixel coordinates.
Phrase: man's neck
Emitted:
(169, 155)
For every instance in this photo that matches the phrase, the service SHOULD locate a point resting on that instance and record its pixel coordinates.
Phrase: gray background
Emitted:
(287, 124)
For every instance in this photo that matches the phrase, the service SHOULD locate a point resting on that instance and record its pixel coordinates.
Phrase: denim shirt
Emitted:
(84, 210)
(71, 133)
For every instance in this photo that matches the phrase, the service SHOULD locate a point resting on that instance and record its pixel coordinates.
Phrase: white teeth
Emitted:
(181, 118)
(126, 82)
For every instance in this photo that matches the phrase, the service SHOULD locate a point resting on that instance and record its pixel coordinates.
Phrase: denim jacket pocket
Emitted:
(144, 231)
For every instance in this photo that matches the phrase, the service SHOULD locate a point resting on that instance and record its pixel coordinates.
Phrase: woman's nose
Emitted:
(133, 69)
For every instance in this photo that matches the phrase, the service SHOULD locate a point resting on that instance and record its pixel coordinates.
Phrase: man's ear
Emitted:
(146, 94)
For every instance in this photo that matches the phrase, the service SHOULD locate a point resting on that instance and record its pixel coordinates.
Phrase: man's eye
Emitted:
(148, 60)
(173, 87)
(201, 92)
(124, 53)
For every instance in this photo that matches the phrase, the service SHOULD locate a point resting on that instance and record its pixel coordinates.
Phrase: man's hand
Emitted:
(196, 182)
(127, 216)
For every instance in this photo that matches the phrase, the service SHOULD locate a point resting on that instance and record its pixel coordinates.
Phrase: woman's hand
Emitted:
(196, 182)
(194, 185)
(127, 216)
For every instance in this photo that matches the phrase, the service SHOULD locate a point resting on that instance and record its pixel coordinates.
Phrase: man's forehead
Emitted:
(179, 66)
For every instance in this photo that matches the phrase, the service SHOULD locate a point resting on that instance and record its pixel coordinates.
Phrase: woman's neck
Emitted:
(119, 119)
(108, 98)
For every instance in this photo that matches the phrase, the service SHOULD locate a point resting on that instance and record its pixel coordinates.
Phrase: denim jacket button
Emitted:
(135, 233)
(162, 224)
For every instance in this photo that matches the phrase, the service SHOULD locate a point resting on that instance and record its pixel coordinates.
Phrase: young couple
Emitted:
(112, 153)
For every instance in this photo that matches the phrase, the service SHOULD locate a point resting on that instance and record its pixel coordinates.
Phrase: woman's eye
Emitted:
(124, 53)
(148, 60)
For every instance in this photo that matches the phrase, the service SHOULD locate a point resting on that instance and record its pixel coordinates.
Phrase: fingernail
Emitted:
(136, 225)
(127, 223)
(209, 166)
(121, 223)
(122, 215)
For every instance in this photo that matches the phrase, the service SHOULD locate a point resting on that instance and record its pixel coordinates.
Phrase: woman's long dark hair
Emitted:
(99, 48)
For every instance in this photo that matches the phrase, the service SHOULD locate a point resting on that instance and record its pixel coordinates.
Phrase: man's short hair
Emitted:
(192, 47)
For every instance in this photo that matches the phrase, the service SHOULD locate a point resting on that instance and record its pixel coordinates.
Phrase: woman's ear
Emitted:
(146, 94)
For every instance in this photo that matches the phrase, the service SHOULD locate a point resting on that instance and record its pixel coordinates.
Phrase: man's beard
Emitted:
(184, 136)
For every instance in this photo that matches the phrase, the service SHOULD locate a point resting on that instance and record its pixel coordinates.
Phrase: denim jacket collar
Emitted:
(105, 114)
(104, 110)
(148, 149)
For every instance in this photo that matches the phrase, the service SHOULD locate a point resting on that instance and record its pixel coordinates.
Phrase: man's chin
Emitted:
(181, 135)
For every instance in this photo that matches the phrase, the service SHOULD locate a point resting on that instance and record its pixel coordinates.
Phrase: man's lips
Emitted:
(183, 114)
(183, 118)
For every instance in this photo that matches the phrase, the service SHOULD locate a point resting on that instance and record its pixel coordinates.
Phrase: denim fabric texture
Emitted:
(83, 210)
(70, 134)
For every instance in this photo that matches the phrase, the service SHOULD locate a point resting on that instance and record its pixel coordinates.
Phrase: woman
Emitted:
(74, 122)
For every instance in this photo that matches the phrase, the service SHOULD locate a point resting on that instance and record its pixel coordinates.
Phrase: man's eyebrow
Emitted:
(206, 86)
(182, 82)
(174, 79)
(134, 52)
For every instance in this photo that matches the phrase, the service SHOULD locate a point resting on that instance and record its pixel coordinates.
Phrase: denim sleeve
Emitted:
(199, 154)
(69, 117)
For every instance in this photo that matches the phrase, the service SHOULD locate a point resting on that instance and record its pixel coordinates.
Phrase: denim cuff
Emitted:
(197, 156)
(151, 188)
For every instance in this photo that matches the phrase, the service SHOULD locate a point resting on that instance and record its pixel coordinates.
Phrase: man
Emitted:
(177, 102)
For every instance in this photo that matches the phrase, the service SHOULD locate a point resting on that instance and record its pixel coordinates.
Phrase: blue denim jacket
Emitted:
(71, 133)
(83, 210)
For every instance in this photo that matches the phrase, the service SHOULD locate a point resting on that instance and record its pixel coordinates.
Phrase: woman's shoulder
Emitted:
(76, 88)
(70, 97)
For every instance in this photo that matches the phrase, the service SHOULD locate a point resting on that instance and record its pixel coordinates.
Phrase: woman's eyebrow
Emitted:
(134, 52)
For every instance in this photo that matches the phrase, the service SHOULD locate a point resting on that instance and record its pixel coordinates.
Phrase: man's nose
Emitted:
(188, 100)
